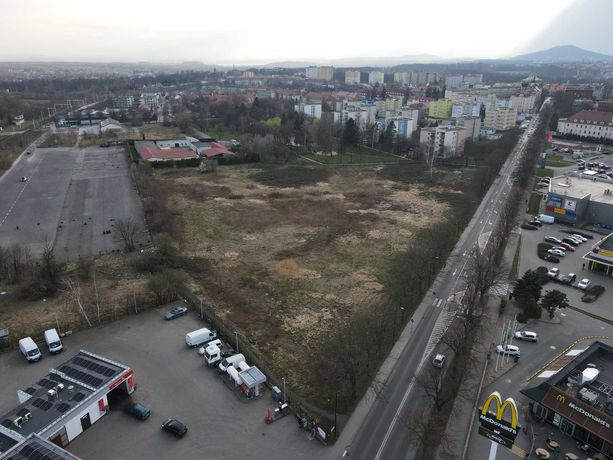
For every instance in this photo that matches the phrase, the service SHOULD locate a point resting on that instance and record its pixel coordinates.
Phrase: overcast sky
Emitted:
(252, 32)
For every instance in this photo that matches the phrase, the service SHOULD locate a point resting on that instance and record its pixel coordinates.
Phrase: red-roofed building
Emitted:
(149, 151)
(588, 123)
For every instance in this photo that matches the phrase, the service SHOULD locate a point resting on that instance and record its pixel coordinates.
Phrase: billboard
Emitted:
(570, 205)
(494, 420)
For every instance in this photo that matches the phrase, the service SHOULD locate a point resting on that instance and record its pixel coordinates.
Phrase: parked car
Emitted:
(137, 410)
(554, 272)
(584, 283)
(568, 279)
(576, 236)
(175, 427)
(175, 312)
(552, 239)
(528, 336)
(560, 248)
(570, 241)
(552, 259)
(576, 240)
(556, 252)
(439, 360)
(510, 350)
(536, 223)
(567, 247)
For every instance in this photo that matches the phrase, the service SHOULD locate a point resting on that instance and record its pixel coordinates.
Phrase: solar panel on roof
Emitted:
(93, 366)
(63, 407)
(35, 451)
(48, 384)
(30, 390)
(7, 423)
(55, 377)
(23, 411)
(37, 402)
(78, 397)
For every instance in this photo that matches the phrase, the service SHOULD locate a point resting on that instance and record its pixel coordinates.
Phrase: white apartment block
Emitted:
(443, 141)
(311, 109)
(123, 102)
(461, 110)
(403, 78)
(320, 73)
(454, 81)
(375, 77)
(404, 126)
(352, 77)
(587, 123)
(312, 73)
(524, 104)
(151, 100)
(500, 119)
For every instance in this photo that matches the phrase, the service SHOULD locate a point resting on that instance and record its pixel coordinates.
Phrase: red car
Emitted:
(567, 246)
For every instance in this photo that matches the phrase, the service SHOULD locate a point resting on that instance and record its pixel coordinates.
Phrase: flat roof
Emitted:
(36, 447)
(81, 376)
(580, 186)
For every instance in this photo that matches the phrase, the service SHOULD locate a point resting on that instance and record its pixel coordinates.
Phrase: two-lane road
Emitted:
(383, 434)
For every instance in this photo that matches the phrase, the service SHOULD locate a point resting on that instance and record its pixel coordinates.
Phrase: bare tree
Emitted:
(73, 290)
(127, 229)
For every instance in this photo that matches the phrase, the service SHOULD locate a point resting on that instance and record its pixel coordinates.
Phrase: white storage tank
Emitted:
(243, 366)
(234, 374)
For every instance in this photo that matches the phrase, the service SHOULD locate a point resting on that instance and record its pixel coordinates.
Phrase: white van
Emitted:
(232, 361)
(29, 349)
(53, 341)
(198, 337)
(545, 219)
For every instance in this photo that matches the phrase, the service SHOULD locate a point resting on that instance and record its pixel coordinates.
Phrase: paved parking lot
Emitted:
(571, 263)
(69, 199)
(174, 383)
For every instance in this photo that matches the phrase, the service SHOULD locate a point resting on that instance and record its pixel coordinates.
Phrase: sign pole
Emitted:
(493, 450)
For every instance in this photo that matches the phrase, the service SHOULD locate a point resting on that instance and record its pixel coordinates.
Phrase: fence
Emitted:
(299, 407)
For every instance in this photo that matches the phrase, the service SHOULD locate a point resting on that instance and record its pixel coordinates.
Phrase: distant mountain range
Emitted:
(560, 54)
(361, 61)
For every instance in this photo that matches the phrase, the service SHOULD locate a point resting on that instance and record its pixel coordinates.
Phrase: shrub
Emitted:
(542, 249)
(167, 285)
(503, 306)
(533, 311)
(522, 318)
(528, 227)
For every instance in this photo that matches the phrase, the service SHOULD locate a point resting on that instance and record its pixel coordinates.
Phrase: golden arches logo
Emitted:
(501, 407)
(561, 398)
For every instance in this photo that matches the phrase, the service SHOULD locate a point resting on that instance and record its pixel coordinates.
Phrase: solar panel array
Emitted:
(42, 404)
(81, 376)
(63, 407)
(92, 366)
(36, 452)
(7, 423)
(30, 390)
(78, 397)
(23, 411)
(48, 384)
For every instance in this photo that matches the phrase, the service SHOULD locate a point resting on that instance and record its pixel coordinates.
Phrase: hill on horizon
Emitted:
(565, 53)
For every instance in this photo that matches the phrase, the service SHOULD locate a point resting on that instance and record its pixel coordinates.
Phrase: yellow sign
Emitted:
(561, 398)
(604, 252)
(559, 211)
(500, 407)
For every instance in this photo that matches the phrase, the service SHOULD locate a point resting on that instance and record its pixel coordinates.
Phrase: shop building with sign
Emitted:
(582, 197)
(600, 258)
(62, 405)
(578, 399)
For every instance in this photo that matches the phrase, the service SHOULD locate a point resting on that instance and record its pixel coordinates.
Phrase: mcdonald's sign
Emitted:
(561, 398)
(495, 420)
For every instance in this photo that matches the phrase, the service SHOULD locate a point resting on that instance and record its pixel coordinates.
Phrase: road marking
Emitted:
(434, 301)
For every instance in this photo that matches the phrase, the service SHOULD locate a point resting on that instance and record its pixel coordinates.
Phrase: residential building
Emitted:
(63, 404)
(524, 103)
(123, 102)
(151, 100)
(574, 396)
(403, 125)
(500, 119)
(404, 78)
(320, 73)
(454, 81)
(249, 74)
(471, 124)
(443, 141)
(472, 79)
(605, 106)
(440, 108)
(352, 77)
(462, 110)
(375, 77)
(311, 109)
(587, 123)
(18, 120)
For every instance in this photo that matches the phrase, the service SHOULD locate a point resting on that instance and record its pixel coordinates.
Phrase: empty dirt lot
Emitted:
(70, 197)
(296, 251)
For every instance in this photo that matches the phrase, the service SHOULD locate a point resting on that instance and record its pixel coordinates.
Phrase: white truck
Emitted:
(199, 336)
(214, 352)
(545, 219)
(231, 361)
(30, 350)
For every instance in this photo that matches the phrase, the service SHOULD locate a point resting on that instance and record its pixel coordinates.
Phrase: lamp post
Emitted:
(283, 380)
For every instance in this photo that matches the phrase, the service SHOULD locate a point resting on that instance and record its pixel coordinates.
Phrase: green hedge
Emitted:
(184, 163)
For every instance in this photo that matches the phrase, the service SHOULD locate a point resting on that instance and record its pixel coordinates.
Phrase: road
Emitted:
(381, 434)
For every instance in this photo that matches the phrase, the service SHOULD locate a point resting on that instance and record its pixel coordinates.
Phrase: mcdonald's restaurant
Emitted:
(578, 399)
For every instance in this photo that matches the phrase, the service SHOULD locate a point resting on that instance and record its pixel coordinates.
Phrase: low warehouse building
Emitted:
(581, 197)
(64, 403)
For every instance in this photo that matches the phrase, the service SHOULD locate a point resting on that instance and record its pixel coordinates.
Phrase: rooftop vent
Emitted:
(589, 375)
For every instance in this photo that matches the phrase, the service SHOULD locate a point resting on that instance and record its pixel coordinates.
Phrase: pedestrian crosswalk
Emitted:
(440, 327)
(500, 289)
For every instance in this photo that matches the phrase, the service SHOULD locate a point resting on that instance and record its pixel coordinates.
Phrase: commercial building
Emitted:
(311, 109)
(472, 125)
(123, 102)
(581, 197)
(375, 77)
(589, 124)
(443, 141)
(352, 77)
(179, 149)
(600, 258)
(500, 119)
(577, 396)
(440, 108)
(62, 405)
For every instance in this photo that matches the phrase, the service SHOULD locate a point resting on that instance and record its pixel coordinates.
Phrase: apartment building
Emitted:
(311, 109)
(404, 78)
(352, 77)
(587, 123)
(404, 126)
(375, 77)
(123, 102)
(454, 81)
(524, 103)
(471, 124)
(462, 110)
(500, 119)
(443, 141)
(440, 108)
(151, 100)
